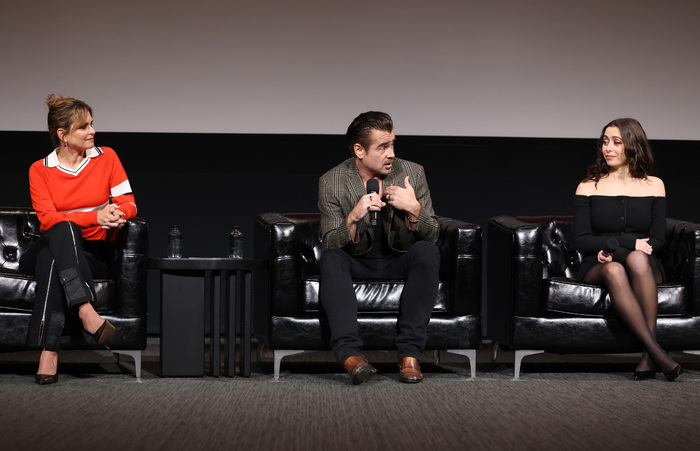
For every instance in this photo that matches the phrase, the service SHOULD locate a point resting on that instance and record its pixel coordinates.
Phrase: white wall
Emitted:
(542, 68)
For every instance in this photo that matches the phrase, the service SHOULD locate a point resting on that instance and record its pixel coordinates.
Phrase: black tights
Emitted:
(632, 287)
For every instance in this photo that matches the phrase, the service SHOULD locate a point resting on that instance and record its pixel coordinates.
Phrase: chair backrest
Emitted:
(18, 227)
(307, 226)
(559, 256)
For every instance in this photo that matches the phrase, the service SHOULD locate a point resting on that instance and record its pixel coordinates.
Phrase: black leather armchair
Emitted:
(291, 321)
(121, 300)
(536, 305)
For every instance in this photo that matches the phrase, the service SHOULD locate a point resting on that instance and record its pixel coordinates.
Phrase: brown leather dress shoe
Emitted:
(359, 369)
(409, 370)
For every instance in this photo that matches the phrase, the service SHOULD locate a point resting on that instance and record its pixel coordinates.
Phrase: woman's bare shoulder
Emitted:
(656, 186)
(586, 188)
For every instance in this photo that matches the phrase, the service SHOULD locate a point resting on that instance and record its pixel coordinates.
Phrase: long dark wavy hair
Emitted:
(637, 150)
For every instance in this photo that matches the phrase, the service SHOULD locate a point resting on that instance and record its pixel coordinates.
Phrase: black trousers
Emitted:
(64, 265)
(419, 267)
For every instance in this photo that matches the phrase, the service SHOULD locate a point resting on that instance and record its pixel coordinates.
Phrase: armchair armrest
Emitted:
(131, 267)
(514, 274)
(681, 259)
(460, 265)
(276, 240)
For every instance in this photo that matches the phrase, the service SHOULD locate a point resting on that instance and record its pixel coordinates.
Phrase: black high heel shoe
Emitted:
(644, 375)
(672, 375)
(105, 331)
(46, 379)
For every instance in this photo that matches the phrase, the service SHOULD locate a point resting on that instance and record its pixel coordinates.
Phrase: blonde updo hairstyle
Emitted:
(63, 113)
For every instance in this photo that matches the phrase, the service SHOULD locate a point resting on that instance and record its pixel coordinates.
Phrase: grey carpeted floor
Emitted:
(560, 402)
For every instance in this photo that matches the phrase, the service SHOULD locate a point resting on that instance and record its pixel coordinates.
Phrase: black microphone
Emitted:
(373, 187)
(611, 246)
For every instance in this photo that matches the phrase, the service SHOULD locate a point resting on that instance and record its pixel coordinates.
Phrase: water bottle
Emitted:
(174, 243)
(235, 243)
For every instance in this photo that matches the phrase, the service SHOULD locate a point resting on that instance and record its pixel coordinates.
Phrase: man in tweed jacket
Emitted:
(401, 245)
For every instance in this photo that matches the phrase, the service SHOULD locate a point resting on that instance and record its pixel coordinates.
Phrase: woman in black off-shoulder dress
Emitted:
(619, 223)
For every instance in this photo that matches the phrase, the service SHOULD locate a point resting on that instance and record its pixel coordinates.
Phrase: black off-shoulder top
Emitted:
(625, 218)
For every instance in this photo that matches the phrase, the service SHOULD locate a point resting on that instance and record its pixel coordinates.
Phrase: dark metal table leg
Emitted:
(215, 326)
(230, 319)
(247, 282)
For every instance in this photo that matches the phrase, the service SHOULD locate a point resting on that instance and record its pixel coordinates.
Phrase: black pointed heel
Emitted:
(672, 375)
(644, 375)
(46, 379)
(105, 331)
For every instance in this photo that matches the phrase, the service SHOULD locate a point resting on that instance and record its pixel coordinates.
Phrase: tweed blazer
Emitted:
(341, 188)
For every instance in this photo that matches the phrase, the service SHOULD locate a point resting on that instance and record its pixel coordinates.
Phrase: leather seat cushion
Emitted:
(372, 296)
(571, 297)
(308, 332)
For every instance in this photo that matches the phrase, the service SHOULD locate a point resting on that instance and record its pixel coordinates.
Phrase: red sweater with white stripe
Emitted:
(62, 194)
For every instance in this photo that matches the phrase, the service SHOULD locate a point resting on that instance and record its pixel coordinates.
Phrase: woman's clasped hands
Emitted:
(111, 217)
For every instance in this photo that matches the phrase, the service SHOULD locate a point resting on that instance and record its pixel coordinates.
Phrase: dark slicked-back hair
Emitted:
(637, 150)
(362, 126)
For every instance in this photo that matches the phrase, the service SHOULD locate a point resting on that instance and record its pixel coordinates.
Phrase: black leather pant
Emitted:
(419, 267)
(64, 279)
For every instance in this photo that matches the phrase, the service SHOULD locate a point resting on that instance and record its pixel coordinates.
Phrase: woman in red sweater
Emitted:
(80, 193)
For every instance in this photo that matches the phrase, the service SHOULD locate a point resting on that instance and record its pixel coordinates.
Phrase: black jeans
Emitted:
(64, 265)
(419, 266)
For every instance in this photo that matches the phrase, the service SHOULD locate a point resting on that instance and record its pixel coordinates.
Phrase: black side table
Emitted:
(182, 321)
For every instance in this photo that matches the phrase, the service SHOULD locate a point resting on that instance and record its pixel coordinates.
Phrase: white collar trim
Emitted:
(51, 161)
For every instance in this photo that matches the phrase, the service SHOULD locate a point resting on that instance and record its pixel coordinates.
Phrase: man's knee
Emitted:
(333, 259)
(425, 251)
